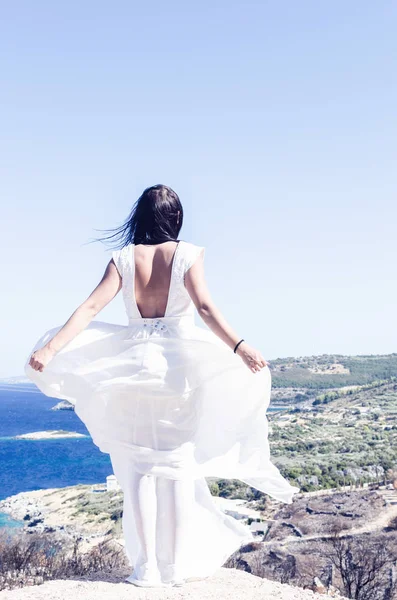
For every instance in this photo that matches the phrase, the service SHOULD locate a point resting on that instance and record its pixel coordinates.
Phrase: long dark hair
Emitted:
(153, 219)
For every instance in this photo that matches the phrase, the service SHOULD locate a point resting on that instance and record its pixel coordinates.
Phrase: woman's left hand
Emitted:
(40, 358)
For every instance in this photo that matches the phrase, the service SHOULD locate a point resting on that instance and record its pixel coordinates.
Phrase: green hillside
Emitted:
(346, 436)
(331, 370)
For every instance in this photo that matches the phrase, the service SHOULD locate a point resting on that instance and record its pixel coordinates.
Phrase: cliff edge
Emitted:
(226, 584)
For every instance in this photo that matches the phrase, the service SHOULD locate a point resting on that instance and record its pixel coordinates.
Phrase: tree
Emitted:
(363, 565)
(392, 474)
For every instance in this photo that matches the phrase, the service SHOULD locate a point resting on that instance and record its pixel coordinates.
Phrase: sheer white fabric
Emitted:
(171, 404)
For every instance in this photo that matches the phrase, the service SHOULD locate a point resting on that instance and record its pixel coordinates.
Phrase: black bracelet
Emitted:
(237, 345)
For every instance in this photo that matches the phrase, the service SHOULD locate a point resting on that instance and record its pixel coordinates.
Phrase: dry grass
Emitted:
(36, 558)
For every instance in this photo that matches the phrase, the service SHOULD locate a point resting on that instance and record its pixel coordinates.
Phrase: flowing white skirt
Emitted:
(168, 399)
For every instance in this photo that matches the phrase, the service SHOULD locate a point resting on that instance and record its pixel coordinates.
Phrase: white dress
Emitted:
(172, 404)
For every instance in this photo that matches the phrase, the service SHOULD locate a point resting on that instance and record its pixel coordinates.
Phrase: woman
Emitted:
(172, 403)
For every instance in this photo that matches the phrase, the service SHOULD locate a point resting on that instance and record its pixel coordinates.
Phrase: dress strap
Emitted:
(122, 260)
(116, 255)
(191, 255)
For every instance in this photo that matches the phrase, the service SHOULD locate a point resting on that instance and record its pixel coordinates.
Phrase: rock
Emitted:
(318, 586)
(63, 405)
(334, 593)
(48, 435)
(35, 522)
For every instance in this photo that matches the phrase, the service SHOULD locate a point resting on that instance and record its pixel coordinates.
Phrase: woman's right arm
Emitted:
(197, 288)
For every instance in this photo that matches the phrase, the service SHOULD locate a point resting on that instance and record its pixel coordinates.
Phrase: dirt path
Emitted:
(382, 521)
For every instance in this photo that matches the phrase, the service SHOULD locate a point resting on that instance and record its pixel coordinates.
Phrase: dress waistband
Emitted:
(162, 322)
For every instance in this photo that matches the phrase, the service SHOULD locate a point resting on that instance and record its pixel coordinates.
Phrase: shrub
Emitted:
(35, 558)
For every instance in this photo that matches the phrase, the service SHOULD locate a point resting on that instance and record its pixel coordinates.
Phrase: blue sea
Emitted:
(40, 464)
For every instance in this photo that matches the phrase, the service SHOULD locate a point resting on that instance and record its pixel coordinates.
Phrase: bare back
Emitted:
(153, 269)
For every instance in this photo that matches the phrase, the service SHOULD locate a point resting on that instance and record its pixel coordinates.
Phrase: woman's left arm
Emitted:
(105, 291)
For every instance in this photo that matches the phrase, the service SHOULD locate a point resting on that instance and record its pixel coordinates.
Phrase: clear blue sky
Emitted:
(275, 122)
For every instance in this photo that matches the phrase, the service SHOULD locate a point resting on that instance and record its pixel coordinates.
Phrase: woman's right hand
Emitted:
(252, 358)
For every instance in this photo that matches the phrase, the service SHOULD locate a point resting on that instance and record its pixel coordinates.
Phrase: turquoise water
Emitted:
(7, 521)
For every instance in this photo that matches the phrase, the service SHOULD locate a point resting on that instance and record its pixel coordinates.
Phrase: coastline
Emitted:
(63, 511)
(89, 510)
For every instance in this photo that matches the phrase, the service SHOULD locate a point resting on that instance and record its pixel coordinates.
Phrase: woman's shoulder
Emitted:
(191, 244)
(118, 252)
(121, 257)
(192, 252)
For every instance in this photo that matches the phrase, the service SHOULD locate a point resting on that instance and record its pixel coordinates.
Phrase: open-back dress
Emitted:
(169, 399)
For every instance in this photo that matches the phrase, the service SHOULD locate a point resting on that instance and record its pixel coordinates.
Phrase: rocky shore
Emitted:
(58, 508)
(64, 511)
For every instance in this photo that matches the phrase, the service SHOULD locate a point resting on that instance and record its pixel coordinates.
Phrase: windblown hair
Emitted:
(153, 219)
